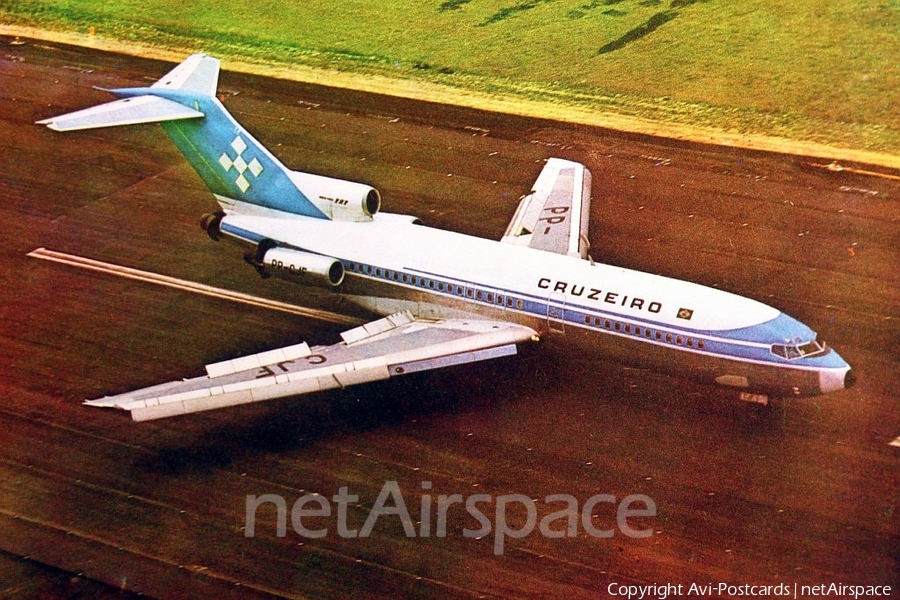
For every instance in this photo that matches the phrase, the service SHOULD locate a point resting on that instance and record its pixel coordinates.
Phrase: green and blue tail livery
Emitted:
(233, 164)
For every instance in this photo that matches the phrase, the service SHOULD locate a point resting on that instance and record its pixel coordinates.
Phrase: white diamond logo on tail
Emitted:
(239, 164)
(225, 161)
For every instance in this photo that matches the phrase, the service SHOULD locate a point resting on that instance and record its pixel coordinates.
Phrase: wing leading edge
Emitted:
(554, 215)
(396, 345)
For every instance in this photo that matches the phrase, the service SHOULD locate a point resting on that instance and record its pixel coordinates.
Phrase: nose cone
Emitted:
(836, 378)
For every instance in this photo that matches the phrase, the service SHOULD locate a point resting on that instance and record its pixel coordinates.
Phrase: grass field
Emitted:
(815, 70)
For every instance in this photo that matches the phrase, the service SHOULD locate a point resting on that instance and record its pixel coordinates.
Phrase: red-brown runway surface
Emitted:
(801, 492)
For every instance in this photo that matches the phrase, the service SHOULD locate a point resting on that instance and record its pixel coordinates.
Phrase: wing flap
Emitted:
(396, 345)
(130, 111)
(554, 216)
(263, 359)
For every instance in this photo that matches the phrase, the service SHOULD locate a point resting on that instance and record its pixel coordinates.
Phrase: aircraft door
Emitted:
(556, 307)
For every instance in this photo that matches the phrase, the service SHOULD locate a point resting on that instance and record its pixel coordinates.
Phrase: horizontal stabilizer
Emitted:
(397, 345)
(130, 111)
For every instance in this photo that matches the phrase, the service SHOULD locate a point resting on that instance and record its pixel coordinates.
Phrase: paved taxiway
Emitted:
(805, 491)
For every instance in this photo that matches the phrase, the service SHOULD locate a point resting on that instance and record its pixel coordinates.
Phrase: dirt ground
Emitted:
(91, 504)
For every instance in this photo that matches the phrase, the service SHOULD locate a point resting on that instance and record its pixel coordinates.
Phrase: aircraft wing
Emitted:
(554, 215)
(395, 345)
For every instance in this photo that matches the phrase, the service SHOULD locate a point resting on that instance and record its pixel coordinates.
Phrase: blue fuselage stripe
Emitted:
(723, 344)
(244, 235)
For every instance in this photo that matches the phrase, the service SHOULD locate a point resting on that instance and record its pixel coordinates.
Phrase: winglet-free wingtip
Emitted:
(111, 402)
(48, 122)
(105, 402)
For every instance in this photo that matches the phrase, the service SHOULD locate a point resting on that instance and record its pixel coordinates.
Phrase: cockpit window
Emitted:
(798, 350)
(810, 348)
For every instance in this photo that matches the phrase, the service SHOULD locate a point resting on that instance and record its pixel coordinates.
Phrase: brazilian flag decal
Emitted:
(685, 313)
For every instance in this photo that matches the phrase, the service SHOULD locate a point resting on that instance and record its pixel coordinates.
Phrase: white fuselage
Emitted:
(637, 318)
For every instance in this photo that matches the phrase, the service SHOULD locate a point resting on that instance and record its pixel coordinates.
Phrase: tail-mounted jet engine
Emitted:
(211, 224)
(340, 200)
(272, 260)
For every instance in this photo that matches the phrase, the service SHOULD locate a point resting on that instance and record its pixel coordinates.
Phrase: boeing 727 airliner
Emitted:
(444, 298)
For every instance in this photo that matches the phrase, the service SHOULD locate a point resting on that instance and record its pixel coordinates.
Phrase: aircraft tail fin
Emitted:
(198, 74)
(232, 163)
